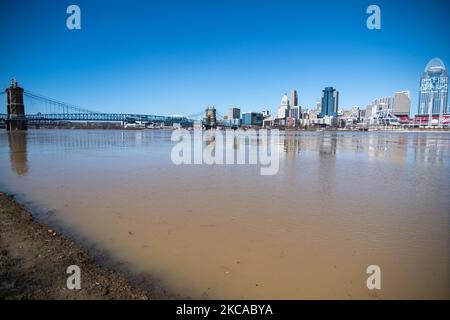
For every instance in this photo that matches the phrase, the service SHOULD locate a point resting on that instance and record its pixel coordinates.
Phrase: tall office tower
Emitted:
(294, 98)
(234, 113)
(330, 102)
(401, 105)
(433, 96)
(295, 112)
(283, 109)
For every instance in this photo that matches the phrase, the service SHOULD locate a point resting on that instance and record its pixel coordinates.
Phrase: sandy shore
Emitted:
(34, 260)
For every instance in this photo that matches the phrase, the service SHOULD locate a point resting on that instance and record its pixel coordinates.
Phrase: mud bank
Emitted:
(34, 260)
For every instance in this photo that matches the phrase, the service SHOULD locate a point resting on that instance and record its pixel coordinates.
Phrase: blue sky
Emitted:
(167, 57)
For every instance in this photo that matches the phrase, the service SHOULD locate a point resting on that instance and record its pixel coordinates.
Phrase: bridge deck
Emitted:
(110, 117)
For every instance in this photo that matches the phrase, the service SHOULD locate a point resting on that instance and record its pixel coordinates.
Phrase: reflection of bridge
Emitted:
(40, 109)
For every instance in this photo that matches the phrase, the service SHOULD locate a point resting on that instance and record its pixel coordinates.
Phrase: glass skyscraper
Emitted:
(434, 89)
(330, 102)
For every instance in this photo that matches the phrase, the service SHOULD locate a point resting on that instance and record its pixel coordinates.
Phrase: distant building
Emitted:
(433, 96)
(368, 114)
(294, 98)
(330, 102)
(252, 119)
(295, 112)
(377, 106)
(283, 109)
(325, 121)
(355, 112)
(350, 116)
(233, 123)
(387, 110)
(265, 113)
(268, 123)
(234, 113)
(362, 114)
(386, 102)
(401, 105)
(318, 106)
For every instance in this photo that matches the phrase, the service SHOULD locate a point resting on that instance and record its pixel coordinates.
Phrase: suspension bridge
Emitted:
(42, 109)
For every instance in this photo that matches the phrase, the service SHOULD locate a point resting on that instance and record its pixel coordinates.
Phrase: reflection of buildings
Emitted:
(291, 144)
(18, 152)
(432, 150)
(328, 144)
(399, 149)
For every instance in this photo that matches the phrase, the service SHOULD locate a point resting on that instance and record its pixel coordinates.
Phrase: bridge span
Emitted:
(40, 109)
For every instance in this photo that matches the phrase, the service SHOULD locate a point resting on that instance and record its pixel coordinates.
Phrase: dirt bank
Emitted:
(34, 261)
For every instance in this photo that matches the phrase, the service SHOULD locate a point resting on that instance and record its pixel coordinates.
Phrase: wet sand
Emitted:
(34, 259)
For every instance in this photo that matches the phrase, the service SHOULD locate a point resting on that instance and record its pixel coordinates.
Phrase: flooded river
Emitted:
(339, 203)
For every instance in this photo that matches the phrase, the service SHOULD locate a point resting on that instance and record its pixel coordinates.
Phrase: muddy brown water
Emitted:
(339, 203)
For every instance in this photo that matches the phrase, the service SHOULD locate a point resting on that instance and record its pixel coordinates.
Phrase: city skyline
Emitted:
(195, 60)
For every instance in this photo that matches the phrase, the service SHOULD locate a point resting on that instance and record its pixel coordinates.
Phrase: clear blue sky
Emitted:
(166, 57)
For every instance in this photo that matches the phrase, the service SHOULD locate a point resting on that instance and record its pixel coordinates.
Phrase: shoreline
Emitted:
(281, 129)
(34, 259)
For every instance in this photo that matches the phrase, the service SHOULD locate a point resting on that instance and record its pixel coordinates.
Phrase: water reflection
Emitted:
(18, 152)
(398, 148)
(340, 202)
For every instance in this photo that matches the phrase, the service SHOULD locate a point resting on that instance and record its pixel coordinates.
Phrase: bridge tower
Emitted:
(210, 120)
(15, 119)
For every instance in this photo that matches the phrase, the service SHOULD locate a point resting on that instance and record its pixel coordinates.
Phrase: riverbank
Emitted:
(34, 260)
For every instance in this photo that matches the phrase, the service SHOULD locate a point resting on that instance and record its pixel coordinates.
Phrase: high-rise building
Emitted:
(252, 119)
(433, 96)
(283, 109)
(294, 98)
(295, 112)
(330, 102)
(401, 105)
(234, 113)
